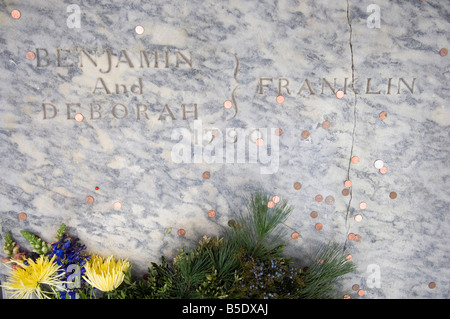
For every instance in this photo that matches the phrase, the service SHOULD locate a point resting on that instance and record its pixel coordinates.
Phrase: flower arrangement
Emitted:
(248, 262)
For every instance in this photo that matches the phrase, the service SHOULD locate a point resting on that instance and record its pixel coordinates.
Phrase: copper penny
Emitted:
(297, 186)
(393, 195)
(318, 226)
(227, 104)
(305, 134)
(139, 29)
(206, 175)
(326, 125)
(443, 52)
(30, 55)
(117, 205)
(345, 192)
(383, 170)
(348, 183)
(355, 159)
(22, 216)
(340, 94)
(276, 199)
(383, 115)
(15, 14)
(432, 285)
(348, 257)
(280, 99)
(231, 223)
(329, 200)
(79, 117)
(89, 199)
(314, 214)
(361, 292)
(358, 218)
(362, 205)
(318, 198)
(212, 213)
(259, 142)
(295, 235)
(347, 297)
(355, 287)
(357, 238)
(270, 204)
(351, 236)
(181, 232)
(278, 132)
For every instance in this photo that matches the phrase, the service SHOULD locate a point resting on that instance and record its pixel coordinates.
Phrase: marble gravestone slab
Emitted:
(131, 121)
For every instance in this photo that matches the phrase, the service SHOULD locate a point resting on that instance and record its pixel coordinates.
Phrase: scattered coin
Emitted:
(361, 292)
(314, 214)
(22, 216)
(345, 192)
(295, 235)
(280, 99)
(393, 195)
(443, 52)
(362, 205)
(348, 183)
(206, 175)
(383, 170)
(79, 117)
(351, 236)
(378, 164)
(318, 198)
(347, 297)
(30, 55)
(432, 285)
(278, 132)
(212, 213)
(357, 238)
(318, 226)
(383, 115)
(340, 94)
(348, 257)
(227, 104)
(270, 204)
(15, 14)
(231, 223)
(329, 200)
(297, 186)
(259, 142)
(89, 199)
(326, 125)
(358, 217)
(276, 199)
(305, 134)
(139, 29)
(355, 159)
(355, 287)
(117, 205)
(181, 232)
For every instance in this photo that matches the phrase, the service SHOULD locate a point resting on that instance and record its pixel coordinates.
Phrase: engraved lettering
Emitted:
(280, 86)
(59, 59)
(166, 107)
(103, 86)
(99, 108)
(195, 111)
(53, 108)
(124, 111)
(311, 92)
(368, 88)
(137, 88)
(143, 110)
(333, 88)
(263, 85)
(352, 86)
(94, 62)
(108, 55)
(39, 58)
(410, 88)
(123, 53)
(179, 55)
(70, 110)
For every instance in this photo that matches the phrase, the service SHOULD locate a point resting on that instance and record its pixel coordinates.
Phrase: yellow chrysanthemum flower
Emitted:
(27, 281)
(105, 275)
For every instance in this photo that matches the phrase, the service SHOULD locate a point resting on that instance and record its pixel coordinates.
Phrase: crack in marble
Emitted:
(349, 22)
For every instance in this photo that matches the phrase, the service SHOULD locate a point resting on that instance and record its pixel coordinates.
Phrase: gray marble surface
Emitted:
(130, 145)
